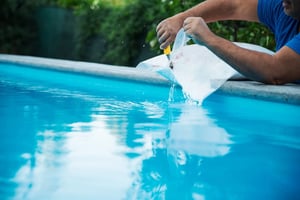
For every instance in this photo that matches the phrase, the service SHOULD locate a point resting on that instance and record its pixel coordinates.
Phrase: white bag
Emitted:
(198, 70)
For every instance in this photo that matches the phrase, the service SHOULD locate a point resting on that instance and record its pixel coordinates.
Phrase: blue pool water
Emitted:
(65, 136)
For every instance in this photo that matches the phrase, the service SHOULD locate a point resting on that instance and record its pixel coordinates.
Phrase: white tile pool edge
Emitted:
(289, 93)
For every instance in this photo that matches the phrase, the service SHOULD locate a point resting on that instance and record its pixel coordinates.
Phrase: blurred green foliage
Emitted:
(17, 31)
(126, 26)
(242, 31)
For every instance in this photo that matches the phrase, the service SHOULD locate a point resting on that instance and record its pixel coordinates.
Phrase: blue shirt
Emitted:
(285, 28)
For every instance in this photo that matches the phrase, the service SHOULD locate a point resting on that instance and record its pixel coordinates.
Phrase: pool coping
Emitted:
(289, 93)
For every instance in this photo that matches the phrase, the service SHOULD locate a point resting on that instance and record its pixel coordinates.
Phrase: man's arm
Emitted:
(282, 67)
(210, 11)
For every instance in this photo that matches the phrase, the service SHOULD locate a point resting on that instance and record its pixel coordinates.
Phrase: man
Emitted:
(281, 16)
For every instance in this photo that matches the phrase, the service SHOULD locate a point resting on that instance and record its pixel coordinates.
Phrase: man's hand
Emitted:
(196, 28)
(167, 30)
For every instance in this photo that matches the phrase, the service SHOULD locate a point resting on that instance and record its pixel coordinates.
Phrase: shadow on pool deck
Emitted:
(289, 93)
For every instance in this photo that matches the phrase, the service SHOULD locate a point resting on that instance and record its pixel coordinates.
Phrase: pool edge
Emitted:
(88, 68)
(289, 93)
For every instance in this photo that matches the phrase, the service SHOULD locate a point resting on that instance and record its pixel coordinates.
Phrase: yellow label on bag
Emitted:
(167, 50)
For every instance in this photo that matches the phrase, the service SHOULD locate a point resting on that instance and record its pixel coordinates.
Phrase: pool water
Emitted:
(66, 136)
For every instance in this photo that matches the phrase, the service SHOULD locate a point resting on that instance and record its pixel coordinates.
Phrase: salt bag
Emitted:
(197, 69)
(159, 64)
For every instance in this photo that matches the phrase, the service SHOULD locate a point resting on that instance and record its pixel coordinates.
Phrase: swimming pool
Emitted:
(74, 136)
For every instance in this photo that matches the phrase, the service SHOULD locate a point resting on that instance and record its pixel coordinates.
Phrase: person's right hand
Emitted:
(196, 28)
(167, 30)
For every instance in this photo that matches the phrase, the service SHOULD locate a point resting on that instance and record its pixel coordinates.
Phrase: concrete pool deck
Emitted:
(289, 93)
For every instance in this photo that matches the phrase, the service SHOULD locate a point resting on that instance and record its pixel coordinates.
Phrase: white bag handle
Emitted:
(180, 40)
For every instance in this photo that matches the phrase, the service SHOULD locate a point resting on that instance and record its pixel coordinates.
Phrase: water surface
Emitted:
(65, 136)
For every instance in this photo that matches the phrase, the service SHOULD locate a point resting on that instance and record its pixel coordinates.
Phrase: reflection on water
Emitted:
(73, 145)
(173, 171)
(194, 132)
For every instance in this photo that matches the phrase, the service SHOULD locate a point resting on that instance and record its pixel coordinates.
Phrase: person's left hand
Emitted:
(196, 28)
(167, 30)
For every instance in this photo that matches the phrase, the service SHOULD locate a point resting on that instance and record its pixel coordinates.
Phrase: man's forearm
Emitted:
(215, 10)
(252, 64)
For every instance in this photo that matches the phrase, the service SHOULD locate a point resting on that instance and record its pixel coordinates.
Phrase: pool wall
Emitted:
(289, 93)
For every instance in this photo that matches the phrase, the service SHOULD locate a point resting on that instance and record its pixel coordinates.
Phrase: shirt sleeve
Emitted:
(294, 43)
(267, 10)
